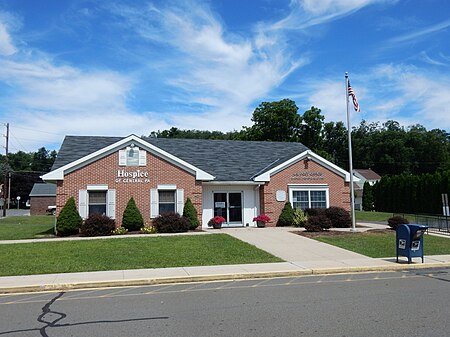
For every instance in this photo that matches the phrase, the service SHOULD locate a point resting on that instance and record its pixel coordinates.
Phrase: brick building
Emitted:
(235, 179)
(41, 196)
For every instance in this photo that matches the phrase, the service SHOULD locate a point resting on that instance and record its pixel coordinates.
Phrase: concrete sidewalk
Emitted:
(303, 256)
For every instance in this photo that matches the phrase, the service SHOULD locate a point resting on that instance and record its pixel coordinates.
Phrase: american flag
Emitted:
(352, 94)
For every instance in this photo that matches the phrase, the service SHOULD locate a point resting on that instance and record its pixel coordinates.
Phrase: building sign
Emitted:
(307, 175)
(136, 176)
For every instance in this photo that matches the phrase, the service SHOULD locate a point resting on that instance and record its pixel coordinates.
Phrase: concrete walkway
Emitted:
(303, 256)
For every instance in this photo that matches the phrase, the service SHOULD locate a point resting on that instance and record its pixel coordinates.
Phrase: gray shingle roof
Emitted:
(227, 160)
(43, 190)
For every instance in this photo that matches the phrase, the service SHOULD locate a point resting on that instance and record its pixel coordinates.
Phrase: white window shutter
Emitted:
(111, 204)
(122, 157)
(142, 158)
(83, 203)
(180, 201)
(154, 203)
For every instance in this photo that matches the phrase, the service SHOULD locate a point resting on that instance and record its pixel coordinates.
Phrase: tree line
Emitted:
(25, 169)
(387, 148)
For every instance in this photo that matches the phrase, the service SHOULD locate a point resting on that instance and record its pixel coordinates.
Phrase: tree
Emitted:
(311, 130)
(368, 198)
(69, 220)
(335, 140)
(132, 217)
(190, 213)
(287, 215)
(275, 121)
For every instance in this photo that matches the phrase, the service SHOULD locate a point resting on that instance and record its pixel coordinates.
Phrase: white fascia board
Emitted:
(58, 174)
(233, 183)
(306, 154)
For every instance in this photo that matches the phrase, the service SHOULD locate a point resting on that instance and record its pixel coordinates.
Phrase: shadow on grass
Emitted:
(48, 233)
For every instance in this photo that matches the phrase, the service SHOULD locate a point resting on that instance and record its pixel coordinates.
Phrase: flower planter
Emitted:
(217, 225)
(260, 224)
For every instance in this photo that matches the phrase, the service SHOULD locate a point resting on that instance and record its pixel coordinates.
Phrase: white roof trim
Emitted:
(265, 177)
(59, 173)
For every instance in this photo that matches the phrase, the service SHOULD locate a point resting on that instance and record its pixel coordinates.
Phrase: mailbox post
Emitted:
(409, 241)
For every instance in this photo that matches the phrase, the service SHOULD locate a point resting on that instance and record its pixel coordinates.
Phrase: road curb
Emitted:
(219, 277)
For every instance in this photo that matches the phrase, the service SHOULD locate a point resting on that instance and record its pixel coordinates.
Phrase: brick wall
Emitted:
(339, 190)
(104, 171)
(38, 205)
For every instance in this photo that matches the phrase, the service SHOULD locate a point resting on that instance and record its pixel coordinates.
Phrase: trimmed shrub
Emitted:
(339, 217)
(287, 216)
(98, 225)
(69, 220)
(190, 213)
(300, 218)
(314, 211)
(317, 223)
(396, 221)
(171, 223)
(132, 217)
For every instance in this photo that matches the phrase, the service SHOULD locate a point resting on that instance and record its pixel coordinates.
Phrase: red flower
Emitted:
(217, 219)
(262, 217)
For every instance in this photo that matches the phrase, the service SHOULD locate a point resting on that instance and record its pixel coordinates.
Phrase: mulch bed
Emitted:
(340, 233)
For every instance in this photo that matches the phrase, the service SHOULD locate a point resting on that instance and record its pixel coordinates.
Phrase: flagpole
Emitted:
(350, 159)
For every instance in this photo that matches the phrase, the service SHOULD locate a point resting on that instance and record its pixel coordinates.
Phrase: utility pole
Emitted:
(6, 187)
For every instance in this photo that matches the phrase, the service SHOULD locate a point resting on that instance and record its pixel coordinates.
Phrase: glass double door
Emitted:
(229, 206)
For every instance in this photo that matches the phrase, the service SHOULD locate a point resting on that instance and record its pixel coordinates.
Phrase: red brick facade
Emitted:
(104, 171)
(39, 205)
(307, 172)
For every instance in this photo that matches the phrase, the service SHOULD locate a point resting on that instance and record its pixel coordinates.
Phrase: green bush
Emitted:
(287, 216)
(300, 218)
(317, 223)
(171, 223)
(396, 221)
(97, 225)
(339, 217)
(69, 220)
(190, 213)
(315, 211)
(132, 217)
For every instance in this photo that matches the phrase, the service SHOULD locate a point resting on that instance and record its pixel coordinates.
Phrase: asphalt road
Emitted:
(414, 303)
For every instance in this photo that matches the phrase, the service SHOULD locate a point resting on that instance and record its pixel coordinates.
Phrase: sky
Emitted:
(117, 67)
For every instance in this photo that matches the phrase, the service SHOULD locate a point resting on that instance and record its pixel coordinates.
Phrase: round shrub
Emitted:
(317, 223)
(287, 216)
(339, 217)
(314, 211)
(132, 217)
(300, 218)
(396, 221)
(97, 225)
(190, 213)
(171, 223)
(69, 220)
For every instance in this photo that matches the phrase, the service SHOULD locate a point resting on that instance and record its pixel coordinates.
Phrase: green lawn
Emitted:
(378, 216)
(383, 245)
(26, 227)
(127, 253)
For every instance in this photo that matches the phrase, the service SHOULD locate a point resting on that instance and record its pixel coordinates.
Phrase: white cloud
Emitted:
(6, 45)
(421, 33)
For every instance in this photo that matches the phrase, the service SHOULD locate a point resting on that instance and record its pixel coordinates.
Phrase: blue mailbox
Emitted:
(410, 241)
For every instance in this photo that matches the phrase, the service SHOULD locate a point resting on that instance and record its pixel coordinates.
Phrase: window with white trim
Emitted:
(166, 198)
(132, 156)
(166, 201)
(303, 197)
(96, 202)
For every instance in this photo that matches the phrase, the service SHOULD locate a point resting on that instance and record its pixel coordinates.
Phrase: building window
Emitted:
(166, 201)
(96, 202)
(303, 197)
(132, 156)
